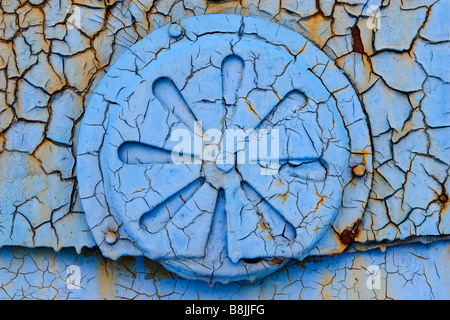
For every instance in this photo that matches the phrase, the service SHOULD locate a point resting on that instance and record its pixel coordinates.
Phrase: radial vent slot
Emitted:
(170, 97)
(155, 220)
(232, 71)
(285, 110)
(137, 153)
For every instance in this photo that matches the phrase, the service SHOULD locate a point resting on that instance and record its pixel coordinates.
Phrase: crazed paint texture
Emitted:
(223, 75)
(411, 271)
(390, 103)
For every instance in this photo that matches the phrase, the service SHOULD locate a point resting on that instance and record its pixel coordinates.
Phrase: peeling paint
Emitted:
(54, 54)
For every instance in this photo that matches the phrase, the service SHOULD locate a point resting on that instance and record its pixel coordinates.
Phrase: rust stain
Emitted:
(324, 283)
(326, 280)
(316, 26)
(443, 198)
(106, 279)
(357, 42)
(348, 235)
(276, 94)
(320, 202)
(252, 109)
(264, 226)
(359, 170)
(284, 196)
(311, 259)
(276, 261)
(224, 6)
(365, 154)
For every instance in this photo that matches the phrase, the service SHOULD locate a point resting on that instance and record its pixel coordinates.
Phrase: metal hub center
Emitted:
(225, 162)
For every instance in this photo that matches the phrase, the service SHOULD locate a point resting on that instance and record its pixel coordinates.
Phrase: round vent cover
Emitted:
(223, 146)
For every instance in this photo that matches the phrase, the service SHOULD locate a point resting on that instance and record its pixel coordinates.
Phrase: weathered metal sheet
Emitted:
(217, 91)
(365, 81)
(412, 271)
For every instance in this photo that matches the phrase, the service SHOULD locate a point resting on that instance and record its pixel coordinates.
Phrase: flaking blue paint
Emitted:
(403, 96)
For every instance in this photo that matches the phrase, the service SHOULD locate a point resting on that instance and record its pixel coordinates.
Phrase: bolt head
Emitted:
(443, 198)
(111, 237)
(359, 170)
(175, 30)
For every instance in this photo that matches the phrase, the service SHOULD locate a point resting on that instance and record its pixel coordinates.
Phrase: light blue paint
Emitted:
(224, 78)
(412, 271)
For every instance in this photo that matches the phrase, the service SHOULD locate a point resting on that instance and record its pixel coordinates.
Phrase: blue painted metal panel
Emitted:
(257, 144)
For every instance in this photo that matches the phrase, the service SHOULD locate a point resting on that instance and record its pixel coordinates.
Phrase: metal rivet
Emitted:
(176, 30)
(359, 170)
(348, 235)
(443, 198)
(111, 237)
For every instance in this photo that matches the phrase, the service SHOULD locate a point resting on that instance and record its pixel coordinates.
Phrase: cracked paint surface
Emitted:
(243, 75)
(412, 271)
(51, 61)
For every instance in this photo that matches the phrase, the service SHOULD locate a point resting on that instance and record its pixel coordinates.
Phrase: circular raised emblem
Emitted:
(223, 146)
